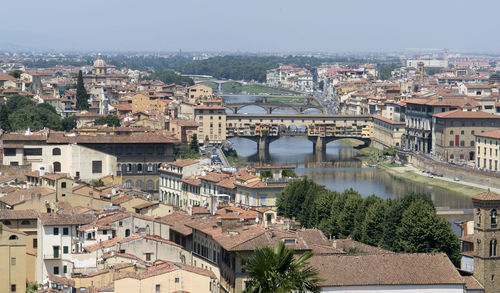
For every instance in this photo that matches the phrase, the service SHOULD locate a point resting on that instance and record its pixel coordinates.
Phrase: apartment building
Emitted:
(171, 175)
(488, 150)
(387, 132)
(453, 134)
(290, 77)
(211, 123)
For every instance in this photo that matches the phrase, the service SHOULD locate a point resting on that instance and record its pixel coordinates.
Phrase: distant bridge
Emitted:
(318, 128)
(270, 107)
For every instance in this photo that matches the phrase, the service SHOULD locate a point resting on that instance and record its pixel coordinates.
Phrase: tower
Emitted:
(486, 237)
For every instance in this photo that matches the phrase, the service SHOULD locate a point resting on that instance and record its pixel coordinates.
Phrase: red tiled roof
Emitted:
(490, 134)
(385, 269)
(466, 115)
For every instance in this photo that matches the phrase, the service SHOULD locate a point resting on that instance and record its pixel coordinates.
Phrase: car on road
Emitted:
(456, 179)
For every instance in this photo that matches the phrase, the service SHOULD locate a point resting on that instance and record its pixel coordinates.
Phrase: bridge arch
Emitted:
(285, 109)
(244, 109)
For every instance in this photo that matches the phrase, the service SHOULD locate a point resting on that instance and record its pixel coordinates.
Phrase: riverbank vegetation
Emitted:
(408, 224)
(256, 89)
(233, 158)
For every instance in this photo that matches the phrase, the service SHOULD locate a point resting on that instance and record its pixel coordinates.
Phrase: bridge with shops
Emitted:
(320, 129)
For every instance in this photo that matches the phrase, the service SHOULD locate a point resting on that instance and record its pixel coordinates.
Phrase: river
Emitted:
(339, 168)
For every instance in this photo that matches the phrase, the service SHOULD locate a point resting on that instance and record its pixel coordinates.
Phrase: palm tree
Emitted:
(275, 270)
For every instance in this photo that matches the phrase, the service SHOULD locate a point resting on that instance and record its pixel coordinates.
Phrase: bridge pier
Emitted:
(263, 144)
(319, 145)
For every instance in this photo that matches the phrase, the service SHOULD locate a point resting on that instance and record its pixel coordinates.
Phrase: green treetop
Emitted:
(82, 98)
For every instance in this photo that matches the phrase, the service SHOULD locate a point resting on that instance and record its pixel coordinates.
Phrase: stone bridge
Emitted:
(270, 107)
(318, 128)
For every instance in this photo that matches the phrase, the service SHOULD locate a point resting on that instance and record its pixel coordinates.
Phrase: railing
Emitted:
(51, 256)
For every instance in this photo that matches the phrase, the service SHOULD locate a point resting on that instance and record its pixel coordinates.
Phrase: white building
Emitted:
(427, 63)
(171, 175)
(58, 244)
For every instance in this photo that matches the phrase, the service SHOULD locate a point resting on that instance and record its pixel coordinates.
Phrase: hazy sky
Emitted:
(251, 26)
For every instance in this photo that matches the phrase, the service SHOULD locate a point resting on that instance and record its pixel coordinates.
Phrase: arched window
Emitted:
(127, 233)
(150, 185)
(129, 167)
(13, 237)
(139, 167)
(478, 213)
(25, 222)
(6, 222)
(493, 247)
(56, 152)
(138, 184)
(493, 218)
(128, 184)
(57, 167)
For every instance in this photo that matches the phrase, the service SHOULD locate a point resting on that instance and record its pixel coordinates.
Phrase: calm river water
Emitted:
(339, 168)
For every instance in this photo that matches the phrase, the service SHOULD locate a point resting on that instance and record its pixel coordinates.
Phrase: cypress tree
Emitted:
(82, 99)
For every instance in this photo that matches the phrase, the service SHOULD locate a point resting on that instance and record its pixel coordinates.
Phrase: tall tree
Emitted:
(4, 118)
(193, 144)
(277, 270)
(372, 227)
(422, 230)
(82, 98)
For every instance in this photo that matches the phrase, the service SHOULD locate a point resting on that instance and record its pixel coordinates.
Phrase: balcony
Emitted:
(51, 256)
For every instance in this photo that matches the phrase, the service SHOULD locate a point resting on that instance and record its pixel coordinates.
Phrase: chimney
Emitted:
(42, 171)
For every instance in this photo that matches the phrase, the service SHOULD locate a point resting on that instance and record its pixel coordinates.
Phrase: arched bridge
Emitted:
(270, 107)
(318, 128)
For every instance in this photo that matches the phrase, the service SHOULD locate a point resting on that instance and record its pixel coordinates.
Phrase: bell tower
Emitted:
(486, 237)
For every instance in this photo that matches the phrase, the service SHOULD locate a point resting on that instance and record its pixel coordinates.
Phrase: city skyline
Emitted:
(277, 26)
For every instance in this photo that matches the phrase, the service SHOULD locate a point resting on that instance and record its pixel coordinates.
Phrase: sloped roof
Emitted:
(385, 269)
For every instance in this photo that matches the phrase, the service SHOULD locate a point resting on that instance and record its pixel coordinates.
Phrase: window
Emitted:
(150, 185)
(451, 142)
(139, 167)
(13, 288)
(148, 256)
(56, 152)
(65, 250)
(177, 280)
(13, 261)
(89, 235)
(493, 218)
(9, 152)
(472, 132)
(451, 131)
(56, 270)
(65, 231)
(139, 150)
(56, 231)
(462, 143)
(118, 151)
(6, 222)
(129, 151)
(493, 247)
(65, 269)
(478, 213)
(105, 232)
(35, 243)
(56, 167)
(157, 288)
(96, 167)
(63, 184)
(149, 150)
(120, 224)
(127, 233)
(33, 152)
(150, 168)
(138, 184)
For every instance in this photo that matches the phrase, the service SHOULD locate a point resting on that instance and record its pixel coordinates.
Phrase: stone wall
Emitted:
(488, 179)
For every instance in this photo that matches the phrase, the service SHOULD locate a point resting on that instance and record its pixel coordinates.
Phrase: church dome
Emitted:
(99, 62)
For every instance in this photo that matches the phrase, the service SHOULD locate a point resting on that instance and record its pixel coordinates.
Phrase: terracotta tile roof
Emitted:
(22, 195)
(54, 219)
(20, 137)
(192, 181)
(146, 205)
(18, 214)
(487, 195)
(121, 199)
(35, 174)
(177, 222)
(214, 177)
(227, 183)
(385, 269)
(490, 134)
(387, 120)
(472, 284)
(54, 176)
(62, 280)
(466, 115)
(183, 163)
(184, 122)
(165, 268)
